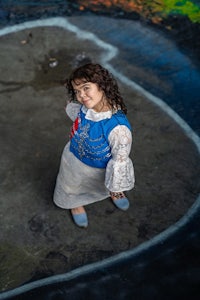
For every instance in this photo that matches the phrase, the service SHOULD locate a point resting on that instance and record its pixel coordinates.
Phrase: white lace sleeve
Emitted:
(72, 110)
(119, 171)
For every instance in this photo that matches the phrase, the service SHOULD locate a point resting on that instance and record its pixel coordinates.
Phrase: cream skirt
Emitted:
(78, 184)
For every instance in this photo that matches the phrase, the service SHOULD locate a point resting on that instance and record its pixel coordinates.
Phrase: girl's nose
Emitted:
(82, 93)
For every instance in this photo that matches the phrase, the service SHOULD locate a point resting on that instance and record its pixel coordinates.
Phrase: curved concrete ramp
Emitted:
(163, 268)
(39, 240)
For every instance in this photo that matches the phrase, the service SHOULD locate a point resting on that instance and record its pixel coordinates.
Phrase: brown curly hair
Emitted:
(95, 73)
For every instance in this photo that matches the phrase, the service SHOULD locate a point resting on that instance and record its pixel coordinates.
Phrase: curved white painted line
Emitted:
(160, 238)
(65, 24)
(111, 52)
(93, 267)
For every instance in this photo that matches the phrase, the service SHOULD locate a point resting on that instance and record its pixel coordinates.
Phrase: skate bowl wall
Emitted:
(154, 268)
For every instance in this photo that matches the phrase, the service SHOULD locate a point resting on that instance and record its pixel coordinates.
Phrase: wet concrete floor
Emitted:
(39, 240)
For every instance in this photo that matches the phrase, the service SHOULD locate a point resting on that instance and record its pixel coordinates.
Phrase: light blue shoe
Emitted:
(122, 203)
(120, 200)
(80, 220)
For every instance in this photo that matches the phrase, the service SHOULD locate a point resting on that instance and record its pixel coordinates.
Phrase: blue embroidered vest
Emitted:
(89, 142)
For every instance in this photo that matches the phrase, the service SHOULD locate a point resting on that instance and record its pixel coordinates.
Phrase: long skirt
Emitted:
(78, 184)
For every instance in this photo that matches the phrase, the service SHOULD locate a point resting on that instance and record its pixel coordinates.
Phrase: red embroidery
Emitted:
(74, 127)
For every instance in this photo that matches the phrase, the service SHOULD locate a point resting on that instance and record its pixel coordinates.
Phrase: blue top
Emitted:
(90, 141)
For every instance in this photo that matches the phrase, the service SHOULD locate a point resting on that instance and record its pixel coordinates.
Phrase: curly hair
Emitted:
(95, 73)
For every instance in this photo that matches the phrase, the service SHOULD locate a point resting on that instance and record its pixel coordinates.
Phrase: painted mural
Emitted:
(156, 11)
(178, 18)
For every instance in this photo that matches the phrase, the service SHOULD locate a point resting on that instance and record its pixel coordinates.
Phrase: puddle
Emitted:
(55, 68)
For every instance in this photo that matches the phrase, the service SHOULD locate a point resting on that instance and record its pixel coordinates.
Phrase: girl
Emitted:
(95, 162)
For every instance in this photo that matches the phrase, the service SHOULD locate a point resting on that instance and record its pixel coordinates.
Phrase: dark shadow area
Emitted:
(168, 269)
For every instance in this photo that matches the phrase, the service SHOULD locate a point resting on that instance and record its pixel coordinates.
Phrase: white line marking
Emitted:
(165, 107)
(111, 52)
(160, 238)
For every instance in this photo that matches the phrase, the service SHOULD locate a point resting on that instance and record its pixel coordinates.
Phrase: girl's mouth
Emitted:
(86, 101)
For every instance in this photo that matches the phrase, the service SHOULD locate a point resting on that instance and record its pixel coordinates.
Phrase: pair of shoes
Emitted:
(120, 200)
(80, 220)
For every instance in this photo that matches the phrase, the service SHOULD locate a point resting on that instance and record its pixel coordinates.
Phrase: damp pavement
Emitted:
(153, 61)
(152, 250)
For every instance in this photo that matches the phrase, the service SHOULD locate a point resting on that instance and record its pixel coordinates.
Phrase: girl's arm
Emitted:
(119, 171)
(72, 110)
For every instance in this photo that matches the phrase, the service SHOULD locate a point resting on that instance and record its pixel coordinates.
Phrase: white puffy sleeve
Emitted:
(119, 171)
(72, 110)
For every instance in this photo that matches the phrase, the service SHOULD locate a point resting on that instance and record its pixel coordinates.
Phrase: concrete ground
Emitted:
(37, 239)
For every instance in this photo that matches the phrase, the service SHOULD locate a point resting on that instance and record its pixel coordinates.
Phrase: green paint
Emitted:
(16, 265)
(182, 7)
(165, 8)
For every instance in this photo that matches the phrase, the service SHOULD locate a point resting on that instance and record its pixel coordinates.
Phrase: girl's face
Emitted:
(89, 94)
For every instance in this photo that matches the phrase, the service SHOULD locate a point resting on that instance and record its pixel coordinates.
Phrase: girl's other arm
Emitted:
(120, 172)
(72, 110)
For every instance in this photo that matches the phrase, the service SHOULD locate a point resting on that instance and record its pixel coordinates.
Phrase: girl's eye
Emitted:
(85, 88)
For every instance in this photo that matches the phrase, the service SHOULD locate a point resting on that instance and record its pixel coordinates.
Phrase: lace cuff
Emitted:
(119, 171)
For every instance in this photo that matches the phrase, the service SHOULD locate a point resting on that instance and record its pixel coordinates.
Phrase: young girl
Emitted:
(95, 162)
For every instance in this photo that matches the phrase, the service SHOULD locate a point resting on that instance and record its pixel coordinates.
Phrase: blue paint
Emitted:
(140, 270)
(144, 48)
(154, 54)
(32, 3)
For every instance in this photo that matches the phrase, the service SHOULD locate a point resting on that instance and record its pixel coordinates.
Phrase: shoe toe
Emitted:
(122, 203)
(80, 219)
